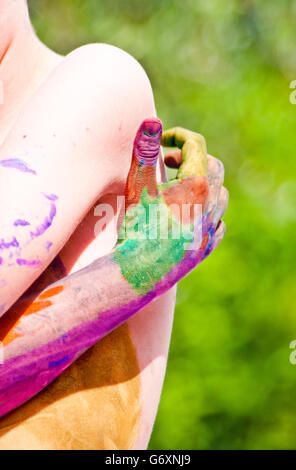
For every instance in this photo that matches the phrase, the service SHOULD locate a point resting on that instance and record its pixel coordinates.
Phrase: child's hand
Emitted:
(161, 242)
(171, 227)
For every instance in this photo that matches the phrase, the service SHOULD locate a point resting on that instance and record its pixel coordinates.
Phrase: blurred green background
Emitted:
(223, 69)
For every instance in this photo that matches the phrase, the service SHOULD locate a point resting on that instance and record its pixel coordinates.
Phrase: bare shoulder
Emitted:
(113, 92)
(92, 103)
(99, 67)
(105, 58)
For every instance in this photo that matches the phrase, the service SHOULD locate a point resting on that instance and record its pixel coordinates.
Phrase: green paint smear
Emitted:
(144, 255)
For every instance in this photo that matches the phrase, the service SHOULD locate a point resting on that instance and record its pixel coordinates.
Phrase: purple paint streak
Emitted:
(48, 245)
(31, 263)
(20, 223)
(18, 165)
(4, 245)
(46, 223)
(51, 197)
(20, 378)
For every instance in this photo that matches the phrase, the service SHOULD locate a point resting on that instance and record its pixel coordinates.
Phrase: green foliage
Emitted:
(222, 69)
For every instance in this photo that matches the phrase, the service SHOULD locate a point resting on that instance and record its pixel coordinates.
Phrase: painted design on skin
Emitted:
(20, 223)
(142, 272)
(17, 164)
(30, 263)
(194, 150)
(47, 222)
(5, 245)
(81, 313)
(51, 292)
(51, 197)
(26, 308)
(48, 245)
(48, 219)
(56, 356)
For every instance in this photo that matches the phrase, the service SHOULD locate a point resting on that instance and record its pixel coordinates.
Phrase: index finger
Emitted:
(194, 151)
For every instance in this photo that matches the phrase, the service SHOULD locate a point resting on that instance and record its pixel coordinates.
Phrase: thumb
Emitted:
(143, 166)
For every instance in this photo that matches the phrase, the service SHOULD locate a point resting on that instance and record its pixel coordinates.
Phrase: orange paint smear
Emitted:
(36, 306)
(22, 308)
(51, 292)
(204, 242)
(12, 316)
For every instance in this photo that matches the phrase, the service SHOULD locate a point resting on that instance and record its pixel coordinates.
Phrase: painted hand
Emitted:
(160, 241)
(169, 228)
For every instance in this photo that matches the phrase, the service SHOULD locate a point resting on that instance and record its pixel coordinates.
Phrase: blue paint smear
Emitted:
(19, 377)
(17, 164)
(53, 364)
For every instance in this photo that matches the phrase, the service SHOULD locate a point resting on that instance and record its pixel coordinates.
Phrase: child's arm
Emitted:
(70, 145)
(74, 313)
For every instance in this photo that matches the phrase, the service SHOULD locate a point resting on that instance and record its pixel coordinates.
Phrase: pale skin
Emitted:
(57, 121)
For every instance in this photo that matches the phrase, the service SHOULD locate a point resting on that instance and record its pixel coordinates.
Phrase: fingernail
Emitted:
(147, 142)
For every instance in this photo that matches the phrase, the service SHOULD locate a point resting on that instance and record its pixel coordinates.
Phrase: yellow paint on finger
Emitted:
(194, 150)
(194, 160)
